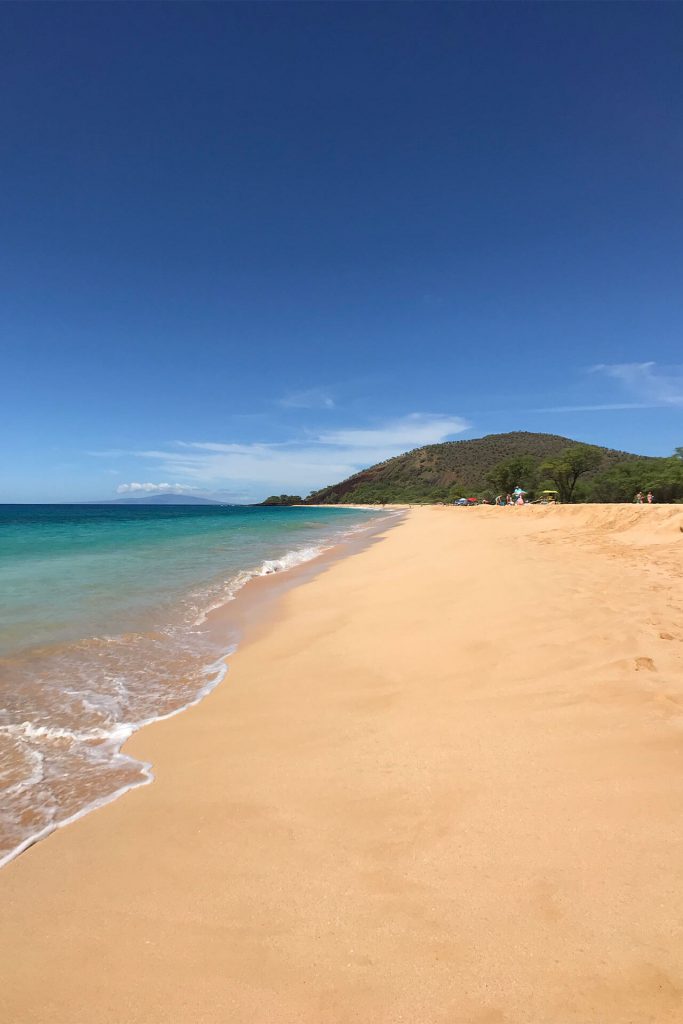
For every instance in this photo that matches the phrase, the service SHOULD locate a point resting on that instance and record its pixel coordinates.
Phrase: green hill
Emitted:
(442, 471)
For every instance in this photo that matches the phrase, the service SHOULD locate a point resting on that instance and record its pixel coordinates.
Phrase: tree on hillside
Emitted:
(566, 470)
(519, 471)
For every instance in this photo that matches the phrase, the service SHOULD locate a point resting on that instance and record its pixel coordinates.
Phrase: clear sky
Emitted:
(252, 248)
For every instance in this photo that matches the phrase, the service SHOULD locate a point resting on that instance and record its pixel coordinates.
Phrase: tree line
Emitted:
(283, 499)
(575, 476)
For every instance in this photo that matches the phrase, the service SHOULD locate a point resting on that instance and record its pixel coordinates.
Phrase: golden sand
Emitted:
(443, 784)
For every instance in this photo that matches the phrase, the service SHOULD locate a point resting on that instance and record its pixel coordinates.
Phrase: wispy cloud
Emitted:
(312, 398)
(609, 407)
(149, 488)
(410, 431)
(648, 383)
(295, 465)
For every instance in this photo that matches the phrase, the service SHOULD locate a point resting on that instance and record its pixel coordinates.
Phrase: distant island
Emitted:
(164, 499)
(486, 466)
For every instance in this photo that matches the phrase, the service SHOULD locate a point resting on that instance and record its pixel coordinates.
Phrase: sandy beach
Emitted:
(442, 782)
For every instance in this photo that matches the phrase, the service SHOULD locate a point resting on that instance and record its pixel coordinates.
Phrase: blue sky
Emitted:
(252, 248)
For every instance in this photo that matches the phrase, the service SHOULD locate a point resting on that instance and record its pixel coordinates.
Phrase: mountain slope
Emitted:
(461, 464)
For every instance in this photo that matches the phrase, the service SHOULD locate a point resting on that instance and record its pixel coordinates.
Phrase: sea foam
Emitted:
(68, 708)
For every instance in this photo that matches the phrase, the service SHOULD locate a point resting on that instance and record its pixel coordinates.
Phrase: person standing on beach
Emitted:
(639, 498)
(650, 497)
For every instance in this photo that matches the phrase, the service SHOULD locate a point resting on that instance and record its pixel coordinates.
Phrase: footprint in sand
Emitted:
(645, 665)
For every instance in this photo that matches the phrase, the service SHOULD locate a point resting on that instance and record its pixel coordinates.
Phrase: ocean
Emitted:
(105, 615)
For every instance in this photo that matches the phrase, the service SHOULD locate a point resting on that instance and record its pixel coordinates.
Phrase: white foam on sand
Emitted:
(102, 745)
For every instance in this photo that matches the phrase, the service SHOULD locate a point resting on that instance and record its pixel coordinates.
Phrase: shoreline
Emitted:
(246, 604)
(443, 785)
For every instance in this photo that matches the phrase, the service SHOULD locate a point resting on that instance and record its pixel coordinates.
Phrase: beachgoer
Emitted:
(639, 498)
(520, 499)
(508, 499)
(650, 497)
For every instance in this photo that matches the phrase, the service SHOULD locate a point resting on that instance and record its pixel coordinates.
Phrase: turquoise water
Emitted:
(103, 627)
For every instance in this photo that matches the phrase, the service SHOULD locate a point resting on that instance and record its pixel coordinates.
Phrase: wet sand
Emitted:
(442, 783)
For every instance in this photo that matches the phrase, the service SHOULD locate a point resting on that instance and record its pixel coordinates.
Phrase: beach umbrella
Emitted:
(518, 490)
